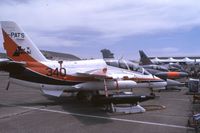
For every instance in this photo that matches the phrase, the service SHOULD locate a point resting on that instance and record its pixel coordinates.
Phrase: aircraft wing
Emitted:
(97, 73)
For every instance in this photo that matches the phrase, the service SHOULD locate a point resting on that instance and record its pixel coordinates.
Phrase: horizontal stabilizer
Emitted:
(12, 66)
(4, 59)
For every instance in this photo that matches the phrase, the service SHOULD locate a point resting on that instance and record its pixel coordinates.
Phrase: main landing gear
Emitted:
(86, 96)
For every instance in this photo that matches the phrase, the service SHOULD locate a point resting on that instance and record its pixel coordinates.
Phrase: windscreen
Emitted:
(127, 65)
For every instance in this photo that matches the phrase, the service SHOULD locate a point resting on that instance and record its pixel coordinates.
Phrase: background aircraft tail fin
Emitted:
(18, 45)
(144, 59)
(106, 53)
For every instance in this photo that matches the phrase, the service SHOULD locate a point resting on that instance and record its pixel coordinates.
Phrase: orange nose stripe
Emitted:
(173, 74)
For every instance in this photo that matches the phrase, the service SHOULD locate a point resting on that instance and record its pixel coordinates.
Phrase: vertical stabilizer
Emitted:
(18, 45)
(144, 59)
(106, 53)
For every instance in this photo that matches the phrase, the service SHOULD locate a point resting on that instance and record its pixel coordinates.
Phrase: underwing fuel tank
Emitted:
(120, 99)
(111, 85)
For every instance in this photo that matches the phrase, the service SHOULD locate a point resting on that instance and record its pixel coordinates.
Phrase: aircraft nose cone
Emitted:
(172, 83)
(183, 74)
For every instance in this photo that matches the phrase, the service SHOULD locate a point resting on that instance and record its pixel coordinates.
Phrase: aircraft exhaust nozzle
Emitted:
(111, 85)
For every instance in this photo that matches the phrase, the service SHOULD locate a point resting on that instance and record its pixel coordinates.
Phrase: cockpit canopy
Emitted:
(126, 65)
(156, 67)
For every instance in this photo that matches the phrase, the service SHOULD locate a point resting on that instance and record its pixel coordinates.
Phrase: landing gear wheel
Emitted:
(85, 96)
(153, 94)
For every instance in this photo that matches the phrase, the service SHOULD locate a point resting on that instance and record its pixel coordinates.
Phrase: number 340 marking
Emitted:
(57, 72)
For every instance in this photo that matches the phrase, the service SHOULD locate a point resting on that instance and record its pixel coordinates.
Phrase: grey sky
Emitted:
(89, 25)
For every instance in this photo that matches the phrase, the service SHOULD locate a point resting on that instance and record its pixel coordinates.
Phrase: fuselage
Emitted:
(66, 75)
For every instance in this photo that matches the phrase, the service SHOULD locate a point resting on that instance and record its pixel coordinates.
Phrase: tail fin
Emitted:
(18, 45)
(144, 60)
(106, 53)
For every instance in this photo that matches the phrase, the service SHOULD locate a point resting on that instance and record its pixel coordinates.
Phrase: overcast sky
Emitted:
(84, 27)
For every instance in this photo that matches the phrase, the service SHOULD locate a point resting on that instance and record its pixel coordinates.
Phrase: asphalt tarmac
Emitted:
(26, 110)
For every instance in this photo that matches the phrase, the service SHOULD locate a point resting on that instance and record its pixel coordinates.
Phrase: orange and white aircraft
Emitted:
(28, 67)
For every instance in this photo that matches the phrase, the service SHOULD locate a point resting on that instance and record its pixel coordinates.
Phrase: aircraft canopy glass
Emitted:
(127, 65)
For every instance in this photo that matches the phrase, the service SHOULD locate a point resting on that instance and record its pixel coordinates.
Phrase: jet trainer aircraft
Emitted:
(28, 67)
(128, 65)
(170, 71)
(157, 70)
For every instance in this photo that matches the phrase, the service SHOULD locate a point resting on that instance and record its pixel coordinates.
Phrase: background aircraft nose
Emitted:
(171, 75)
(172, 83)
(183, 74)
